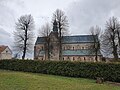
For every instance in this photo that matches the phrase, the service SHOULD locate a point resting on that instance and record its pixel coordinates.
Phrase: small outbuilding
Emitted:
(5, 52)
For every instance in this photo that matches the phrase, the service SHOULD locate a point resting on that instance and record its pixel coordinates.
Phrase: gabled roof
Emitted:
(70, 39)
(78, 39)
(2, 48)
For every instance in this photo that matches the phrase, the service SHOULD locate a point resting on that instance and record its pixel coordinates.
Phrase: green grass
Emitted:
(10, 80)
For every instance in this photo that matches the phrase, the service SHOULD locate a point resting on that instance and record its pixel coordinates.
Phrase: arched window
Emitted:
(82, 47)
(42, 48)
(73, 58)
(73, 48)
(68, 58)
(84, 58)
(68, 47)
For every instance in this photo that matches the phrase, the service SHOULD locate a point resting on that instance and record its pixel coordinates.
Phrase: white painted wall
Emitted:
(6, 54)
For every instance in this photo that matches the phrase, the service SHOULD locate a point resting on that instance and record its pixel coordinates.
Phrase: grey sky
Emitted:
(41, 10)
(82, 14)
(86, 13)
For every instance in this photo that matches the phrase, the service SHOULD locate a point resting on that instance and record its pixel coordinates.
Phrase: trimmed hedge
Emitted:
(108, 71)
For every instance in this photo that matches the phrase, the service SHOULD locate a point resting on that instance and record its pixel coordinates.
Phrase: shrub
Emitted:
(108, 71)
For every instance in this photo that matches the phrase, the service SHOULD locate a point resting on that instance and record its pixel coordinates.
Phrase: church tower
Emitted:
(55, 26)
(54, 42)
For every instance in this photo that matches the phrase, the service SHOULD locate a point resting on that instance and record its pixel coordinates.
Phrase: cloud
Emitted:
(3, 33)
(41, 10)
(11, 10)
(8, 15)
(5, 37)
(86, 13)
(82, 14)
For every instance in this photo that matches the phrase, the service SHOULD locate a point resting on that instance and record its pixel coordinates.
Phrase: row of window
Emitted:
(79, 58)
(73, 48)
(68, 47)
(69, 58)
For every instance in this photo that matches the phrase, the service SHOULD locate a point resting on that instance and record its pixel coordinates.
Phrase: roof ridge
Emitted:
(78, 35)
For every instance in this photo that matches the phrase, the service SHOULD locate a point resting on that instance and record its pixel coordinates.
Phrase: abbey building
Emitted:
(74, 48)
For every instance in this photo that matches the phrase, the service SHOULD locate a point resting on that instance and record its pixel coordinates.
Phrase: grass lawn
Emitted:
(10, 80)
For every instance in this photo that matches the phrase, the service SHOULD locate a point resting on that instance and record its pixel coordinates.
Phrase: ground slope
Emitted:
(10, 80)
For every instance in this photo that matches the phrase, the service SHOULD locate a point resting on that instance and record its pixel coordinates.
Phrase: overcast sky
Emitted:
(82, 14)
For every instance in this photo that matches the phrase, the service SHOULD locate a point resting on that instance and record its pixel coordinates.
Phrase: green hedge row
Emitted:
(108, 71)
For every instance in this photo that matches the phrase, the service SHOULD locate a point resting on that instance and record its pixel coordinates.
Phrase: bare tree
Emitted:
(110, 38)
(44, 32)
(95, 32)
(23, 35)
(118, 37)
(62, 22)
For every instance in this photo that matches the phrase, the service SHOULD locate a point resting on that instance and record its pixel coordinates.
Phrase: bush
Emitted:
(108, 71)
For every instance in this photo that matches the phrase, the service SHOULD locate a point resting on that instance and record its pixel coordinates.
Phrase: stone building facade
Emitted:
(74, 48)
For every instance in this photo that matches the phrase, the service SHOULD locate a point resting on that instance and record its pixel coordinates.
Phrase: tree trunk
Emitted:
(115, 54)
(48, 49)
(118, 39)
(96, 55)
(45, 48)
(96, 47)
(60, 42)
(25, 44)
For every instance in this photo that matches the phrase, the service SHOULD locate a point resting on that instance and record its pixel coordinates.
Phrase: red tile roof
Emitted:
(2, 48)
